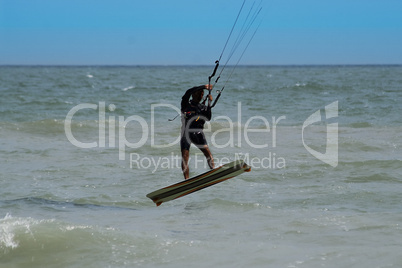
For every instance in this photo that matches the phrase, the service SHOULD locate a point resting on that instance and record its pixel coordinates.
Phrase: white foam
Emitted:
(9, 226)
(7, 237)
(127, 88)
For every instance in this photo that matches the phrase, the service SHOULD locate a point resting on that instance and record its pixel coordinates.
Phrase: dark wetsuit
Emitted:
(194, 116)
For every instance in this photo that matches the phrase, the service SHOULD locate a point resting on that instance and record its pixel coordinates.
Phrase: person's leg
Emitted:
(208, 155)
(184, 163)
(185, 156)
(199, 140)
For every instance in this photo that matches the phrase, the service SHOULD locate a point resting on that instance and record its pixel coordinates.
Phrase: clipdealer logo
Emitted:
(330, 156)
(112, 130)
(273, 161)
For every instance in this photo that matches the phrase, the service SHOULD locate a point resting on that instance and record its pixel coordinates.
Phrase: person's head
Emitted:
(197, 96)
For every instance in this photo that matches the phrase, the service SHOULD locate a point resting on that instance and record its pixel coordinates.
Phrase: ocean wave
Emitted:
(378, 177)
(57, 126)
(127, 88)
(391, 164)
(347, 145)
(27, 232)
(54, 243)
(44, 126)
(360, 125)
(90, 203)
(38, 241)
(217, 203)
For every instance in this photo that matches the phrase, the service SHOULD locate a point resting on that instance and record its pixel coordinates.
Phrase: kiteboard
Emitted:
(199, 182)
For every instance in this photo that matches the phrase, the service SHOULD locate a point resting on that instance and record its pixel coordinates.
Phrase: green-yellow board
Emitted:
(199, 182)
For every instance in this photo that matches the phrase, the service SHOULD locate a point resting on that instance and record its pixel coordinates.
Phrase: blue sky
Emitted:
(162, 32)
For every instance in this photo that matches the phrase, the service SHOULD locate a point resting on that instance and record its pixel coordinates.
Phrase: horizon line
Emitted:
(198, 65)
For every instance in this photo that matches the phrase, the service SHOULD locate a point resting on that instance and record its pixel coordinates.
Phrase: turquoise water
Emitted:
(65, 205)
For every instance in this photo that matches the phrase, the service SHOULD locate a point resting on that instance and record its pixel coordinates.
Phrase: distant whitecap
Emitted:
(127, 88)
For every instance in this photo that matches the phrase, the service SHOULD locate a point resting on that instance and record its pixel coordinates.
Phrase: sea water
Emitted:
(80, 147)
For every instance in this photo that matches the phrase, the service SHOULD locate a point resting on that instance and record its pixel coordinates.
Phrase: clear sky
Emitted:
(164, 32)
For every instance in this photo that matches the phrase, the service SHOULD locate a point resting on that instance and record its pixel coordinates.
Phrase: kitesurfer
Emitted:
(194, 116)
